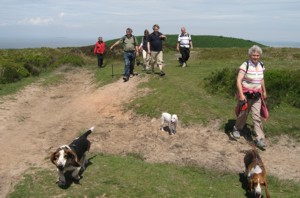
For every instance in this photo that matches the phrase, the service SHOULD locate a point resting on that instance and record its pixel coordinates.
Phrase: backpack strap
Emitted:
(124, 37)
(247, 66)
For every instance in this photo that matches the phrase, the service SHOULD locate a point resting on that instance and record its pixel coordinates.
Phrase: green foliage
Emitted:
(206, 41)
(131, 177)
(190, 99)
(223, 81)
(12, 72)
(71, 59)
(188, 92)
(18, 64)
(282, 85)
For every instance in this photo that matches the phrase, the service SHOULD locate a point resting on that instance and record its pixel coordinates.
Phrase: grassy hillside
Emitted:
(186, 86)
(113, 176)
(207, 41)
(200, 41)
(181, 91)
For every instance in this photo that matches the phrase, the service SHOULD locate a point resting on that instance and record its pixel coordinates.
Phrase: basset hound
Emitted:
(255, 173)
(72, 157)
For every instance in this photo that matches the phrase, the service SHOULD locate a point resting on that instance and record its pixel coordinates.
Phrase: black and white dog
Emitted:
(170, 120)
(72, 157)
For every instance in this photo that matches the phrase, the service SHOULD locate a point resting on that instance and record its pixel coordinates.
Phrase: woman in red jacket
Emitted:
(99, 51)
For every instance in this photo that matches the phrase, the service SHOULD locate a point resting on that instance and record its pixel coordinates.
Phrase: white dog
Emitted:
(170, 120)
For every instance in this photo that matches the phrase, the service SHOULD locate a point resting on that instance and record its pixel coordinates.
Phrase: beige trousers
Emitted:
(157, 58)
(146, 59)
(254, 107)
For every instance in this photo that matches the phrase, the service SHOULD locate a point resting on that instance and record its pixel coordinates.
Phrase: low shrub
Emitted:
(12, 72)
(71, 59)
(282, 85)
(223, 81)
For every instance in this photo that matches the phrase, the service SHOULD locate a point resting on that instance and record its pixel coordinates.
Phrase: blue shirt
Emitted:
(155, 42)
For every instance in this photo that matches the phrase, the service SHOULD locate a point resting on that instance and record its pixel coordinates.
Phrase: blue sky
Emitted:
(258, 20)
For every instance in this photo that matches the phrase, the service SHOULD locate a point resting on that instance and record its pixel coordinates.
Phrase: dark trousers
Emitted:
(129, 59)
(185, 54)
(100, 60)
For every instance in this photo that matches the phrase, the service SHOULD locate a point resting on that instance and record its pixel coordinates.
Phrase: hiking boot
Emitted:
(125, 79)
(236, 133)
(162, 73)
(260, 144)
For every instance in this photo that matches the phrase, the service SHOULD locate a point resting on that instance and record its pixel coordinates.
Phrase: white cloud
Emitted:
(36, 21)
(62, 14)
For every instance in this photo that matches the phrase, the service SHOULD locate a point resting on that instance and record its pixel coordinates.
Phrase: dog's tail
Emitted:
(88, 132)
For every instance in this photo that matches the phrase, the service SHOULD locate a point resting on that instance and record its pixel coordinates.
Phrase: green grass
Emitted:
(182, 91)
(131, 177)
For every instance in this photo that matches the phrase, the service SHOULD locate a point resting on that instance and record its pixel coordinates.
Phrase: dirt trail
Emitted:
(35, 121)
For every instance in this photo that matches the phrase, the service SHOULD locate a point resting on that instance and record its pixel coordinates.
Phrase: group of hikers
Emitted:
(151, 47)
(251, 89)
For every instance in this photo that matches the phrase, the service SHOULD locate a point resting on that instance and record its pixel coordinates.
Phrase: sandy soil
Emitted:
(38, 119)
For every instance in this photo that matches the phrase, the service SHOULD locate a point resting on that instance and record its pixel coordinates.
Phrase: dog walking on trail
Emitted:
(170, 120)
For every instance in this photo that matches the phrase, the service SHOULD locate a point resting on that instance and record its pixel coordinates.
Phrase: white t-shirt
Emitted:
(184, 40)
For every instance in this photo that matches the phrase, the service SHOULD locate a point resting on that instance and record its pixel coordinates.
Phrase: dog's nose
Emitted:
(60, 167)
(257, 194)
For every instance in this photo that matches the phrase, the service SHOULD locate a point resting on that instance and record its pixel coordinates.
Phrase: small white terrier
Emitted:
(170, 120)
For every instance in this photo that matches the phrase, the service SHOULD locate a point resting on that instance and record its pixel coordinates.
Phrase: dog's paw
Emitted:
(61, 183)
(161, 128)
(76, 181)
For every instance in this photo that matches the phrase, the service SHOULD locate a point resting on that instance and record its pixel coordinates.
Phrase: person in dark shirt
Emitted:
(155, 48)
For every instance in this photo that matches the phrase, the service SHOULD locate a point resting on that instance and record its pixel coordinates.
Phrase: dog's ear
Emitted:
(53, 157)
(266, 189)
(251, 184)
(74, 159)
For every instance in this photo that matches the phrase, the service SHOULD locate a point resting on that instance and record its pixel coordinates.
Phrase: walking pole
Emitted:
(112, 70)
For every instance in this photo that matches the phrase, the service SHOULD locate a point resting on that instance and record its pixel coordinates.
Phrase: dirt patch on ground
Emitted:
(37, 120)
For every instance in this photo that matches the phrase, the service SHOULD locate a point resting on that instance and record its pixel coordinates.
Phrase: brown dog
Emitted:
(72, 157)
(255, 173)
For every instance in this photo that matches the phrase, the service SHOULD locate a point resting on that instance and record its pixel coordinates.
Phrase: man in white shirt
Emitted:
(184, 45)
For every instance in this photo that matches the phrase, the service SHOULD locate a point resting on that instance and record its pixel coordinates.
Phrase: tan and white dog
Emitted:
(72, 157)
(170, 120)
(255, 173)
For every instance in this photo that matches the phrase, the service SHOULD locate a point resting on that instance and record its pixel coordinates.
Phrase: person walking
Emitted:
(131, 50)
(155, 48)
(144, 48)
(99, 51)
(184, 45)
(251, 94)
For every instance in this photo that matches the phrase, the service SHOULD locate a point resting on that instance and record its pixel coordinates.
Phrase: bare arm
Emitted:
(264, 91)
(239, 86)
(116, 43)
(137, 50)
(163, 37)
(191, 44)
(148, 46)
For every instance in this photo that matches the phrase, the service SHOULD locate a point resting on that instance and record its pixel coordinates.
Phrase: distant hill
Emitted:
(199, 41)
(208, 41)
(205, 41)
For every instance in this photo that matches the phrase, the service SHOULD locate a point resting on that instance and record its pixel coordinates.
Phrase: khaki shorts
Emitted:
(157, 57)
